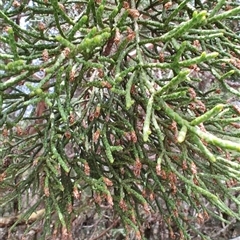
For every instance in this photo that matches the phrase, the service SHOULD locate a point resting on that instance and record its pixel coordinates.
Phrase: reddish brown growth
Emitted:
(3, 176)
(205, 215)
(137, 167)
(228, 7)
(96, 135)
(46, 192)
(5, 132)
(192, 106)
(106, 84)
(100, 73)
(123, 205)
(184, 165)
(192, 93)
(196, 43)
(117, 37)
(71, 118)
(66, 51)
(107, 181)
(66, 235)
(175, 213)
(133, 89)
(6, 162)
(133, 136)
(86, 168)
(41, 26)
(158, 169)
(146, 207)
(76, 193)
(67, 134)
(138, 235)
(171, 234)
(231, 183)
(151, 196)
(200, 106)
(175, 157)
(126, 5)
(97, 111)
(200, 218)
(193, 168)
(19, 131)
(133, 217)
(72, 76)
(45, 55)
(235, 62)
(168, 5)
(109, 199)
(236, 108)
(97, 198)
(131, 34)
(144, 193)
(172, 181)
(163, 174)
(41, 107)
(195, 180)
(16, 4)
(223, 65)
(172, 177)
(91, 117)
(194, 68)
(134, 13)
(161, 57)
(173, 126)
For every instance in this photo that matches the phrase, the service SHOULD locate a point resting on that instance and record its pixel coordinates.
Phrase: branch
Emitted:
(9, 221)
(107, 230)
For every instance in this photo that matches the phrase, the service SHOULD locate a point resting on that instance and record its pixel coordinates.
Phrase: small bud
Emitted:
(109, 199)
(96, 135)
(41, 26)
(126, 5)
(106, 84)
(16, 4)
(86, 169)
(76, 193)
(134, 13)
(137, 167)
(133, 136)
(123, 205)
(72, 76)
(46, 192)
(45, 55)
(131, 34)
(67, 134)
(66, 52)
(97, 111)
(107, 181)
(61, 6)
(168, 5)
(117, 37)
(19, 131)
(71, 118)
(2, 176)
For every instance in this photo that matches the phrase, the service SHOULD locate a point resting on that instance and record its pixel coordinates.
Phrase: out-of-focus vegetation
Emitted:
(126, 107)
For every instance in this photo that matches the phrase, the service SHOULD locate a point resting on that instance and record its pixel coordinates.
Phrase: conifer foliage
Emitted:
(130, 106)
